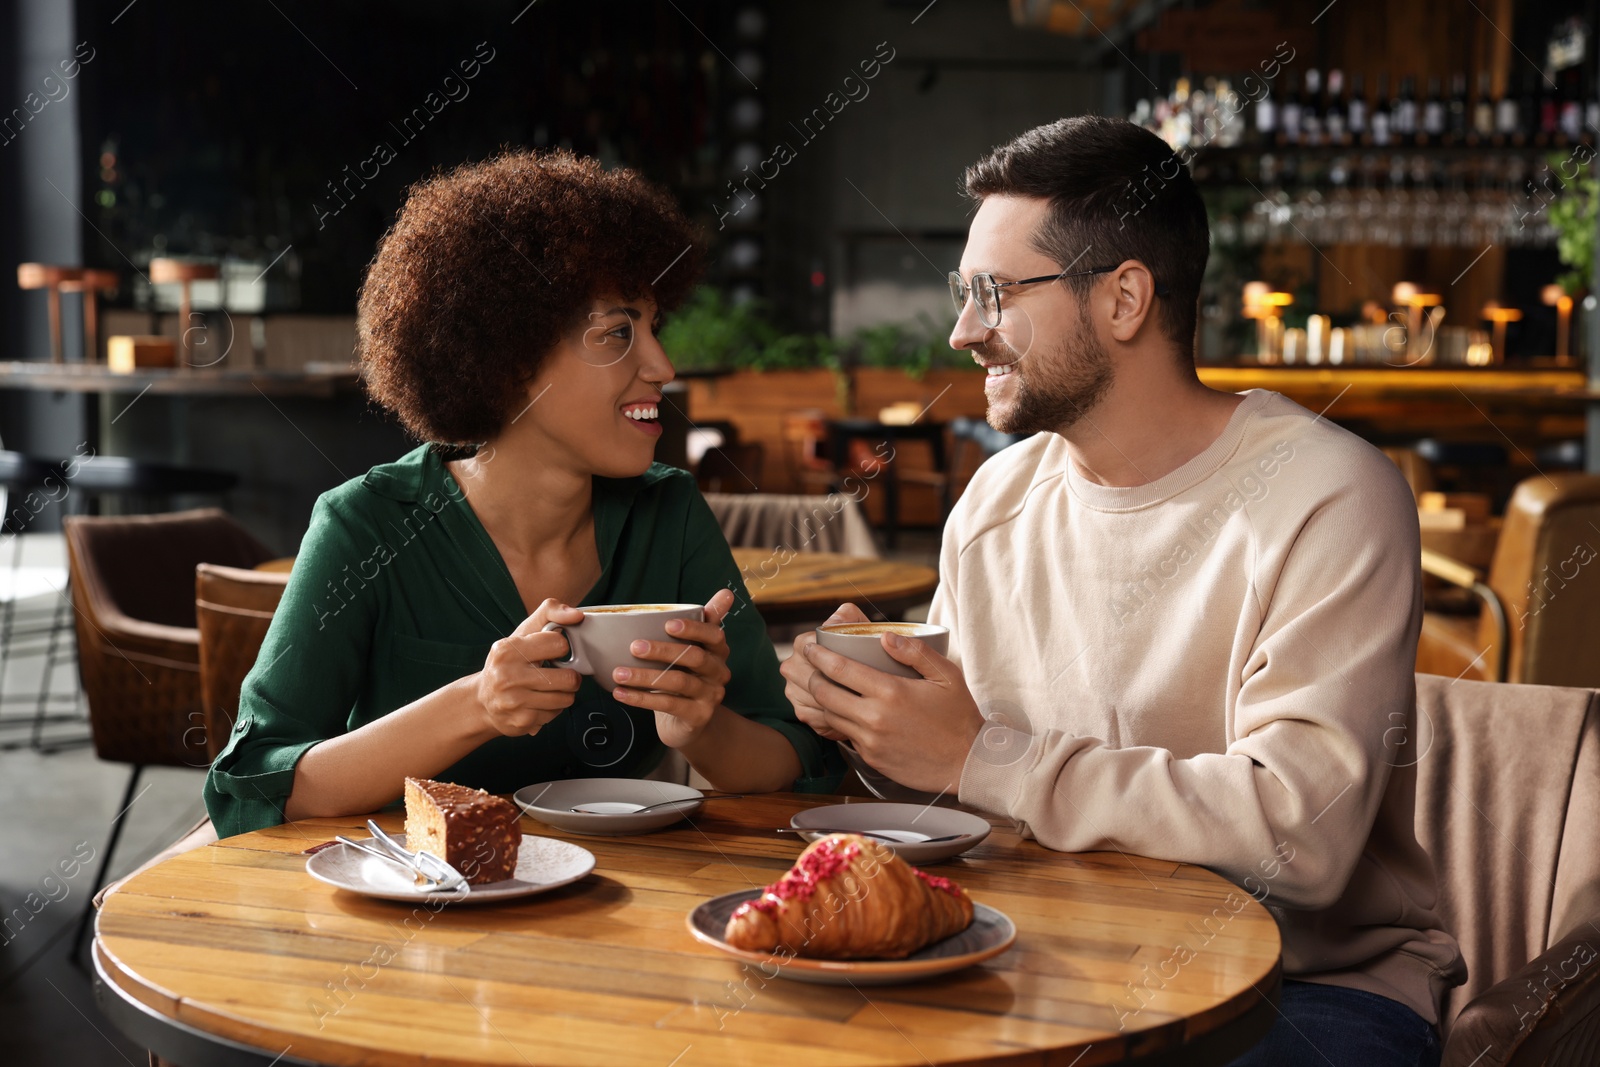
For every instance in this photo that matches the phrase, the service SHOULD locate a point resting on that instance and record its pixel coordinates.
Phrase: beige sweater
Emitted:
(1214, 668)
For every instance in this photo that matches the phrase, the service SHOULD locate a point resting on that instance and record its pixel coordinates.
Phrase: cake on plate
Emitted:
(475, 832)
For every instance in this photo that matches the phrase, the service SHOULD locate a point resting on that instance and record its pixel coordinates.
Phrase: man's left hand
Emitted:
(917, 731)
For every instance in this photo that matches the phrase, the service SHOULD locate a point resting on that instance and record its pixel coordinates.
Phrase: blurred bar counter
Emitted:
(323, 380)
(290, 434)
(1558, 386)
(1524, 408)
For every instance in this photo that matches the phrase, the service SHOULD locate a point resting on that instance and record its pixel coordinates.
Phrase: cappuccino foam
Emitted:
(871, 629)
(628, 609)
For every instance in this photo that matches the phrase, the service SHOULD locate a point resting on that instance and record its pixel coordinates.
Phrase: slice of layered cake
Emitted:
(474, 832)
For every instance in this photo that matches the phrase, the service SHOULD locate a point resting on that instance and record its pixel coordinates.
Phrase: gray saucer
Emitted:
(910, 823)
(551, 804)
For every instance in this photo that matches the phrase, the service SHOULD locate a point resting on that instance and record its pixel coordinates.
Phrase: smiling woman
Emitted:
(509, 321)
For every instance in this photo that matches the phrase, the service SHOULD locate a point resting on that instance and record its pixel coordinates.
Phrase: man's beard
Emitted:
(1056, 391)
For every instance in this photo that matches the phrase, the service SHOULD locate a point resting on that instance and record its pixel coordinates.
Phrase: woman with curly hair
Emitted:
(509, 320)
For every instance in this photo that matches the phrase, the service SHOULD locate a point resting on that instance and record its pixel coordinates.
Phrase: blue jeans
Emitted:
(1323, 1025)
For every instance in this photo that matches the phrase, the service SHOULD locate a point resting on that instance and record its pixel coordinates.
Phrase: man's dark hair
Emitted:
(1116, 192)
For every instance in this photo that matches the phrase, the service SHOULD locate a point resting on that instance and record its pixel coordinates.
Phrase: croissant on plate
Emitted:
(850, 898)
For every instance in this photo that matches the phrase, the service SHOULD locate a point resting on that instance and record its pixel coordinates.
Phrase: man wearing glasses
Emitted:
(1183, 622)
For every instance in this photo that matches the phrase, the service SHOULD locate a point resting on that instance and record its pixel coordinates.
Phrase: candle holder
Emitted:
(1556, 297)
(1266, 307)
(1415, 302)
(1499, 316)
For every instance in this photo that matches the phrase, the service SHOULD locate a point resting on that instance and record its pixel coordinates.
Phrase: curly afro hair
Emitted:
(488, 265)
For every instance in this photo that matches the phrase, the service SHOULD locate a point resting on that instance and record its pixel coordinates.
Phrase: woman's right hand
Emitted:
(517, 693)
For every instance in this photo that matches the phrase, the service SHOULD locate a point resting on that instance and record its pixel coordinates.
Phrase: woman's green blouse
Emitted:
(398, 590)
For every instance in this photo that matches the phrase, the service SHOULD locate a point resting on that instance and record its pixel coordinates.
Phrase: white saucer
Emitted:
(543, 864)
(619, 800)
(909, 824)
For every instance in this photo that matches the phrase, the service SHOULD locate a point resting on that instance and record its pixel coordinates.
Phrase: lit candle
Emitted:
(1556, 297)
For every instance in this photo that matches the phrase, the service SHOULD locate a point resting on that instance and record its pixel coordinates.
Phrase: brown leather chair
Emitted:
(138, 648)
(1508, 799)
(233, 608)
(1541, 599)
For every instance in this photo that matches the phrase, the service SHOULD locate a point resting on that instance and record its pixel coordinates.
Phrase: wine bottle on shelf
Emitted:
(1355, 116)
(1289, 113)
(1335, 117)
(1570, 120)
(1506, 117)
(1528, 111)
(1396, 181)
(1404, 110)
(1482, 112)
(1266, 119)
(1382, 114)
(1456, 110)
(1227, 104)
(1549, 112)
(1432, 115)
(1589, 94)
(1311, 110)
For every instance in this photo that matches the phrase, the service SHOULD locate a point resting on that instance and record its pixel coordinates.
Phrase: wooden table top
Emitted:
(792, 586)
(237, 940)
(806, 586)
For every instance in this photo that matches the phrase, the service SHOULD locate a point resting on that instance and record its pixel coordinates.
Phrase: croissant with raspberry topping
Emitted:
(850, 898)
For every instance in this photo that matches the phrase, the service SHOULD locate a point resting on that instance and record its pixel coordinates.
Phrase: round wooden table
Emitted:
(233, 954)
(788, 586)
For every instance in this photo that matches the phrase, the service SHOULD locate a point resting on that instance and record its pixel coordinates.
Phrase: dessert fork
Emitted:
(442, 876)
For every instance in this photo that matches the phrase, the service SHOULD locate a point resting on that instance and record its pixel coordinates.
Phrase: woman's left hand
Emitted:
(687, 696)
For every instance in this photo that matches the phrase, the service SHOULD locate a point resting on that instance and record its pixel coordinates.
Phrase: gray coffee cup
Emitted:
(599, 644)
(863, 642)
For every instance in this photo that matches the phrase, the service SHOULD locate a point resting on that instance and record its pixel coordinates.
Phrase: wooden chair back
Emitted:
(233, 608)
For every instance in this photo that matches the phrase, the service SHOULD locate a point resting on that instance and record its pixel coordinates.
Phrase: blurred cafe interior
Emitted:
(1402, 208)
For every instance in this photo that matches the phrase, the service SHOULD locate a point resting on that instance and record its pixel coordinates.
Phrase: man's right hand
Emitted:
(798, 673)
(519, 695)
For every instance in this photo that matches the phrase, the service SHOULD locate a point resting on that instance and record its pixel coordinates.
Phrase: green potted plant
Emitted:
(711, 333)
(1573, 217)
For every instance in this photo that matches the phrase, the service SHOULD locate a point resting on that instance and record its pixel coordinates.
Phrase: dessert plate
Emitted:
(905, 825)
(543, 864)
(618, 798)
(990, 934)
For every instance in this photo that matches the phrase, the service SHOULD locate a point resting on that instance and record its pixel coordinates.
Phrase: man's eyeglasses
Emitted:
(986, 291)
